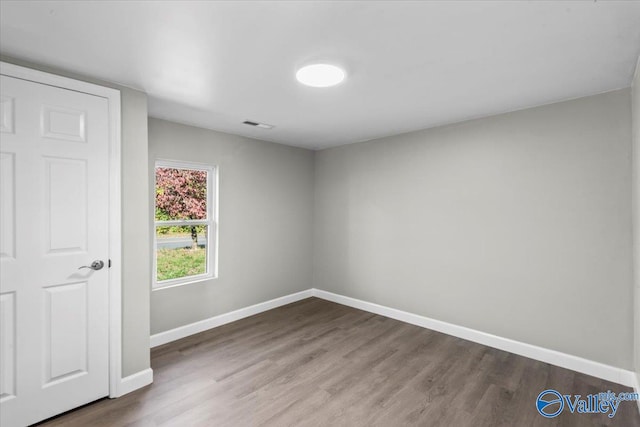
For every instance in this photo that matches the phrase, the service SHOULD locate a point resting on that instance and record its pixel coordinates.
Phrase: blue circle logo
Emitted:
(549, 403)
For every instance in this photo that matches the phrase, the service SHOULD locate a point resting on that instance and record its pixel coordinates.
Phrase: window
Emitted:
(185, 223)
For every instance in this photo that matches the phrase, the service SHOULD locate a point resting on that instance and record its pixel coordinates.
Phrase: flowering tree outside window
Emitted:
(181, 194)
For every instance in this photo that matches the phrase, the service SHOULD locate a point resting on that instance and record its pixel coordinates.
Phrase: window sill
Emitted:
(190, 281)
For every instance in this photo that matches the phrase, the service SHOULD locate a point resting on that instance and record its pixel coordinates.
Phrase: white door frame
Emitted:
(115, 227)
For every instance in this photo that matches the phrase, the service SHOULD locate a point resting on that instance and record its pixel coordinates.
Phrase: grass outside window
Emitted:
(177, 263)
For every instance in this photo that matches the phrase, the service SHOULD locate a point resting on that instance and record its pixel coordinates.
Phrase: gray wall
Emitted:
(136, 260)
(517, 225)
(265, 222)
(635, 111)
(136, 256)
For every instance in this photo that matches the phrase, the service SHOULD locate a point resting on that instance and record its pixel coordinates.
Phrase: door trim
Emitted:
(115, 225)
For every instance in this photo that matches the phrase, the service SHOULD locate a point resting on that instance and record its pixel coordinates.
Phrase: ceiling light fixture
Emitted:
(320, 75)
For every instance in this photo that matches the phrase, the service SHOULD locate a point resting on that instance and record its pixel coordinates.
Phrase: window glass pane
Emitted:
(181, 251)
(181, 194)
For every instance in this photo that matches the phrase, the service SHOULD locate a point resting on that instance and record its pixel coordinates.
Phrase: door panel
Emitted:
(6, 114)
(65, 338)
(63, 123)
(7, 346)
(66, 204)
(7, 206)
(54, 186)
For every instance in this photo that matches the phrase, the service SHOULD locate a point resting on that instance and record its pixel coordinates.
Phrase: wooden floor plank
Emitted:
(317, 363)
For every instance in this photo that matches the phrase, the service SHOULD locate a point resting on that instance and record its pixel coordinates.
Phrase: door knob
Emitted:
(95, 265)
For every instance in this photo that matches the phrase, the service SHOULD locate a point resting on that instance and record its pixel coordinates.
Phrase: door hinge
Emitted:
(109, 264)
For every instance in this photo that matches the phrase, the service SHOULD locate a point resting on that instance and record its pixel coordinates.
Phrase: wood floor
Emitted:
(317, 363)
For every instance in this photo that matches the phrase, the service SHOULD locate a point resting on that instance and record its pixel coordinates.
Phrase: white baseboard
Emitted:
(134, 382)
(585, 366)
(222, 319)
(636, 387)
(563, 360)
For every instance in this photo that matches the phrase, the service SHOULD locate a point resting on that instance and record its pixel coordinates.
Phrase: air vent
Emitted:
(258, 125)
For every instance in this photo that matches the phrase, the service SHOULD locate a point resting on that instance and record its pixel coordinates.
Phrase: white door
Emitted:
(54, 186)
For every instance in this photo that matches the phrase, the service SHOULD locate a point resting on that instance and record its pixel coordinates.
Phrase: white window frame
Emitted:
(211, 221)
